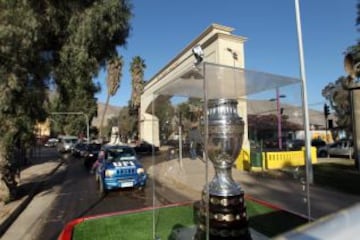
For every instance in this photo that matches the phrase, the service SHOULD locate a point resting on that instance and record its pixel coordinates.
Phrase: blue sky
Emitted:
(162, 28)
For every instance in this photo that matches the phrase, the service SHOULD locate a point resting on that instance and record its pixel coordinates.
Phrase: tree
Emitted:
(112, 83)
(164, 111)
(337, 93)
(52, 44)
(127, 123)
(191, 110)
(137, 68)
(263, 127)
(339, 97)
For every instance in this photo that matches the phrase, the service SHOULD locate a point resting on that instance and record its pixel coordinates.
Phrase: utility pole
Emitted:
(278, 114)
(326, 115)
(278, 117)
(308, 158)
(180, 141)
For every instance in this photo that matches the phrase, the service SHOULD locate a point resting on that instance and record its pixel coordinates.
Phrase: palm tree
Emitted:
(114, 68)
(137, 68)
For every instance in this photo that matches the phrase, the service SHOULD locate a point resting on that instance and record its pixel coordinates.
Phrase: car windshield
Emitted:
(121, 154)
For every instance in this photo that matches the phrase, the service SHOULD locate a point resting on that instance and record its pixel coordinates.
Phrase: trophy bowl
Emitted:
(225, 137)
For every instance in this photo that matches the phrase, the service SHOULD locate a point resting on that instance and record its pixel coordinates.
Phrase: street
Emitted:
(71, 193)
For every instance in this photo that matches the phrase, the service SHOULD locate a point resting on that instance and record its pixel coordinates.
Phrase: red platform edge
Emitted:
(67, 232)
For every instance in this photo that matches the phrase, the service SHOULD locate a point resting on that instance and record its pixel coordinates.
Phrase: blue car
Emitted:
(120, 169)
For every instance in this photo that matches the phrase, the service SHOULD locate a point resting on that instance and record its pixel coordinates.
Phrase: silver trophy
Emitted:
(227, 211)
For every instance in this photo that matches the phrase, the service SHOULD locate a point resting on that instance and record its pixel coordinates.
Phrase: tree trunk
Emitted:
(8, 181)
(103, 117)
(139, 124)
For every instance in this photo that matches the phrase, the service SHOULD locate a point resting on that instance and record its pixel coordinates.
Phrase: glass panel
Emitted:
(178, 171)
(276, 138)
(223, 82)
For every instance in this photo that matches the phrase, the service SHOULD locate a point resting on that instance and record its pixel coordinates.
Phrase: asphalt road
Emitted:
(72, 193)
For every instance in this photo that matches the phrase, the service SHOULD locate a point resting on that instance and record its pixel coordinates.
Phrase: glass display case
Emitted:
(221, 128)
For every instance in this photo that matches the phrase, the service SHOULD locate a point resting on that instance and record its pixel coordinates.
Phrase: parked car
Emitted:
(120, 169)
(145, 148)
(343, 148)
(51, 142)
(66, 143)
(90, 154)
(297, 144)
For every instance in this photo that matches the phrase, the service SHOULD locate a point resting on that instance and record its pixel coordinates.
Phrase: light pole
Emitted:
(308, 158)
(278, 113)
(77, 113)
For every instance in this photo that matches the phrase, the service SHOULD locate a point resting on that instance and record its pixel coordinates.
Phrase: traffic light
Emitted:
(326, 110)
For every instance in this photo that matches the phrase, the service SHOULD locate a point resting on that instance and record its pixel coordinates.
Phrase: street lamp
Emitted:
(278, 113)
(308, 161)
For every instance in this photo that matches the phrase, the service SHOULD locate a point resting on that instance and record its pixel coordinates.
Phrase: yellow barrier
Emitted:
(273, 160)
(276, 160)
(243, 160)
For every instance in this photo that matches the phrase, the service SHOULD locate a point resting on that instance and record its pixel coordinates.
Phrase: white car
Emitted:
(51, 142)
(66, 143)
(343, 148)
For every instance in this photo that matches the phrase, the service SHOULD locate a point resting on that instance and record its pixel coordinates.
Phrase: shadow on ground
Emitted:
(275, 223)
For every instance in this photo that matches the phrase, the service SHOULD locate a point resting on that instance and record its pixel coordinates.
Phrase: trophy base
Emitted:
(227, 218)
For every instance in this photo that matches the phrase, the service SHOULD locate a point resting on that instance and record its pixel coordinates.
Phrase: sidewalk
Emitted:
(31, 178)
(288, 194)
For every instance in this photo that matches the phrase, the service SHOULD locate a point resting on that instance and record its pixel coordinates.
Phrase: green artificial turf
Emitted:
(135, 225)
(140, 225)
